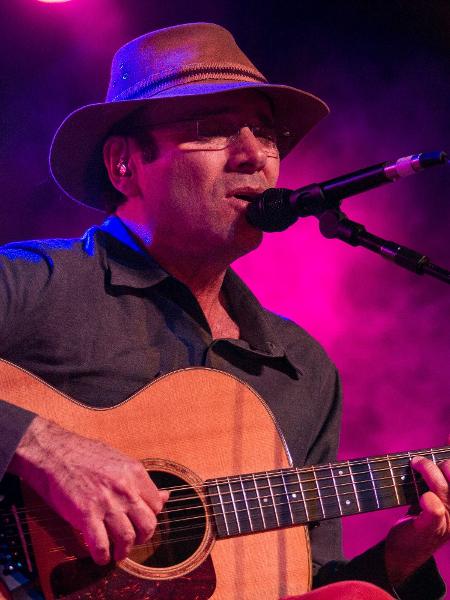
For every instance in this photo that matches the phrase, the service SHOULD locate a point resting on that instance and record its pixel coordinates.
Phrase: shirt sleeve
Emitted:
(424, 584)
(329, 565)
(24, 275)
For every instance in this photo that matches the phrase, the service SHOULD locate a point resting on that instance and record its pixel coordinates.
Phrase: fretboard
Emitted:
(272, 499)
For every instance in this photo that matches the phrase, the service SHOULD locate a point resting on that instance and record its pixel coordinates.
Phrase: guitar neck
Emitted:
(273, 499)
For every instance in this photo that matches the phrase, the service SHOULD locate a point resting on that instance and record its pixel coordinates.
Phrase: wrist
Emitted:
(34, 448)
(402, 560)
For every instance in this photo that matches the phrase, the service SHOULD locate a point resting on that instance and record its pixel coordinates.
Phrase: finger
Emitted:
(143, 520)
(152, 496)
(121, 533)
(431, 524)
(164, 495)
(445, 468)
(432, 475)
(96, 538)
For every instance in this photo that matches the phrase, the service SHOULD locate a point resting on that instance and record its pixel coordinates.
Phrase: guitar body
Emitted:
(187, 427)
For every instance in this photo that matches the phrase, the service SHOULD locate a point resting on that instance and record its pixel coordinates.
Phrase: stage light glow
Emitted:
(53, 1)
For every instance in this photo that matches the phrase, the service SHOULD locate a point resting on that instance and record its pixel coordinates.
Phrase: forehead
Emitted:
(249, 105)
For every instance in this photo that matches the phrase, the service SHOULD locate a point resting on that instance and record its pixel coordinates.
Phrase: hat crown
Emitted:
(168, 73)
(167, 57)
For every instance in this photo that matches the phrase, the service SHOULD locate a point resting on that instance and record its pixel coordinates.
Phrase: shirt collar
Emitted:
(131, 266)
(255, 327)
(128, 263)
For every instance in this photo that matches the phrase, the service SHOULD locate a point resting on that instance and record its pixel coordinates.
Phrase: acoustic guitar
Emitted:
(235, 525)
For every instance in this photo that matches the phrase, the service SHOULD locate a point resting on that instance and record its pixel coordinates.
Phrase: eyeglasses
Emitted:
(219, 132)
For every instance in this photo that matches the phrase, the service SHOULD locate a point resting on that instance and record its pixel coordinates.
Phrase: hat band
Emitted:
(146, 88)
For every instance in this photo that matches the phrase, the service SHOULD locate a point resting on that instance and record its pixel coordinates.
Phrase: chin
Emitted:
(247, 238)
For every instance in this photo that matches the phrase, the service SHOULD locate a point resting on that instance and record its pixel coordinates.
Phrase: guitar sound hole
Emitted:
(181, 525)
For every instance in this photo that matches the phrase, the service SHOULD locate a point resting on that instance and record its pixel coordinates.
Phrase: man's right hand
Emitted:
(103, 493)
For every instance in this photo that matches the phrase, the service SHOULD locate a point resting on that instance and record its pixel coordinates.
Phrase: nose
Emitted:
(246, 153)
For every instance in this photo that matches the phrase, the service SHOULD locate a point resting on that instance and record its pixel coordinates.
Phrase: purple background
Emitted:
(384, 69)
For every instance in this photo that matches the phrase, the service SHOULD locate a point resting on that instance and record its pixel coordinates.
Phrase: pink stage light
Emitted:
(53, 1)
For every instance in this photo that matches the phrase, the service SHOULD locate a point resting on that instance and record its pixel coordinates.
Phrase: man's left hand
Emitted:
(414, 539)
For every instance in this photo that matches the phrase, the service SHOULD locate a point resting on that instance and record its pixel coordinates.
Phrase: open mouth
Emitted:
(246, 197)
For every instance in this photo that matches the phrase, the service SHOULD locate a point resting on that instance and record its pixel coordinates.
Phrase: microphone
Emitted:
(278, 208)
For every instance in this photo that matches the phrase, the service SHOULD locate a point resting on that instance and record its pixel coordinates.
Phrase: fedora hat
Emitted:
(169, 71)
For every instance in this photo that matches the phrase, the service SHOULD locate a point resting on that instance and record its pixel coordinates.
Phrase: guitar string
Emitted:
(234, 512)
(191, 538)
(44, 508)
(294, 472)
(297, 490)
(161, 542)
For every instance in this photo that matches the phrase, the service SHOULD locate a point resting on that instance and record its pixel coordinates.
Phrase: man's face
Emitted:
(190, 197)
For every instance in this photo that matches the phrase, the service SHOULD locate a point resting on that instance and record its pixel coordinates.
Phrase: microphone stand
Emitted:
(333, 223)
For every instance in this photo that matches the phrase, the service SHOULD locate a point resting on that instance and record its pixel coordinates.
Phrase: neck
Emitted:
(203, 275)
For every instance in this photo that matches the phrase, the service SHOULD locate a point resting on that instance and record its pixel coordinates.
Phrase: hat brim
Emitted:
(76, 157)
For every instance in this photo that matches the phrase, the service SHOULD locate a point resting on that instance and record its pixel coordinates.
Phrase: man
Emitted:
(189, 134)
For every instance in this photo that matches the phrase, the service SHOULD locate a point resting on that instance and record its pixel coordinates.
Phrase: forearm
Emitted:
(35, 453)
(424, 583)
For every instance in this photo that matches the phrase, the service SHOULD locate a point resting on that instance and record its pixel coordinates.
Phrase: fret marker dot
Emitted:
(341, 472)
(403, 477)
(264, 499)
(347, 502)
(294, 495)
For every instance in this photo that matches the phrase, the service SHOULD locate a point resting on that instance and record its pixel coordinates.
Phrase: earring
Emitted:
(122, 168)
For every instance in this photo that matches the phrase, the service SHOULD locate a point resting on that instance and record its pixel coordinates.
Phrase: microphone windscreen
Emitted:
(272, 211)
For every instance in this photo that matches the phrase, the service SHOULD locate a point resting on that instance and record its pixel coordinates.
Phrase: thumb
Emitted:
(164, 495)
(429, 520)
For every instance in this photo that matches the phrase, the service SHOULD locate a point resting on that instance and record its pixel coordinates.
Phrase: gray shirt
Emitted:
(98, 319)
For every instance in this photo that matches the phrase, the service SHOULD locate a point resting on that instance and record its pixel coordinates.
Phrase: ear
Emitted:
(116, 153)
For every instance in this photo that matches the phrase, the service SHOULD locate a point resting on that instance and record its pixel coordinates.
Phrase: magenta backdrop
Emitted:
(385, 328)
(384, 70)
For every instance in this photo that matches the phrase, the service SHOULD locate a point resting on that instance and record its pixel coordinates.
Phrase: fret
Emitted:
(336, 490)
(311, 494)
(393, 480)
(266, 501)
(354, 486)
(305, 504)
(329, 497)
(240, 505)
(367, 499)
(253, 502)
(288, 500)
(318, 492)
(281, 500)
(369, 467)
(387, 493)
(247, 506)
(234, 505)
(218, 509)
(444, 453)
(345, 489)
(273, 498)
(428, 454)
(407, 484)
(414, 480)
(297, 505)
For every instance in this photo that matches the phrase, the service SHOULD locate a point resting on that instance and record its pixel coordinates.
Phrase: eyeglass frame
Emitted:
(231, 138)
